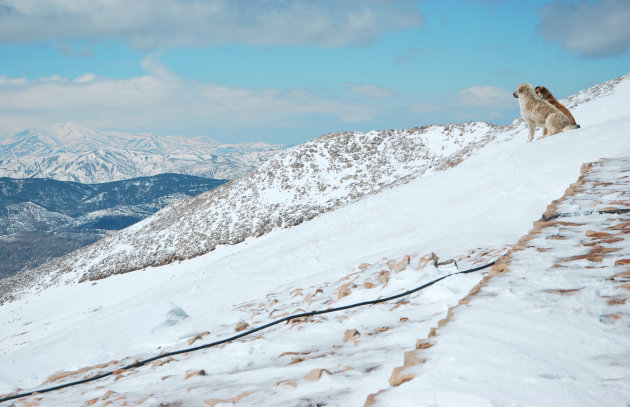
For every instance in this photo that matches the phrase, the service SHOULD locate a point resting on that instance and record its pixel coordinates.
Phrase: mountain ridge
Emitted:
(71, 152)
(43, 218)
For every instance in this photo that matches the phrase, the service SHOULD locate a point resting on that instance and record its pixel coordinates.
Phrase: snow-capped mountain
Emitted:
(548, 325)
(70, 152)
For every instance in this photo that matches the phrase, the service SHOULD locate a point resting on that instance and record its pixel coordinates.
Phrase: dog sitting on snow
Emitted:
(546, 95)
(538, 113)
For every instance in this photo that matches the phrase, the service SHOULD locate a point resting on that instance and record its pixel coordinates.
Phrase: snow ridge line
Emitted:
(247, 333)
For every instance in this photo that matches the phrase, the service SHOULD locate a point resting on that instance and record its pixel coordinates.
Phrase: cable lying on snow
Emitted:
(249, 332)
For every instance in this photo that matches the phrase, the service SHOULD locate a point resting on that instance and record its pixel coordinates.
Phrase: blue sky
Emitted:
(286, 71)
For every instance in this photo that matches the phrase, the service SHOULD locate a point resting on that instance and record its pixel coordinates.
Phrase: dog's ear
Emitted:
(538, 88)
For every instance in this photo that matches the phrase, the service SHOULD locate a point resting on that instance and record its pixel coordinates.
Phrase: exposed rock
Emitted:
(423, 344)
(399, 377)
(622, 262)
(290, 383)
(371, 398)
(346, 289)
(233, 400)
(395, 266)
(197, 337)
(412, 359)
(383, 277)
(430, 258)
(192, 373)
(161, 362)
(316, 374)
(562, 291)
(241, 326)
(351, 335)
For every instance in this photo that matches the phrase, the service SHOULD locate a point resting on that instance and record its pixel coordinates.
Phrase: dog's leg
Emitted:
(532, 129)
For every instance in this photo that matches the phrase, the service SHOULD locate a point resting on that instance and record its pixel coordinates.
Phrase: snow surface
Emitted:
(472, 211)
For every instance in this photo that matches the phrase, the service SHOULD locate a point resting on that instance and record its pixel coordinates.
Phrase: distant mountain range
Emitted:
(43, 218)
(71, 152)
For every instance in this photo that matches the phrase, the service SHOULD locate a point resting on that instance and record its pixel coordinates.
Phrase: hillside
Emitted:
(498, 337)
(71, 152)
(41, 219)
(294, 186)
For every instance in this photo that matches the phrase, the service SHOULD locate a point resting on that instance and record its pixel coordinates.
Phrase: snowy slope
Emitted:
(569, 323)
(292, 187)
(471, 211)
(71, 152)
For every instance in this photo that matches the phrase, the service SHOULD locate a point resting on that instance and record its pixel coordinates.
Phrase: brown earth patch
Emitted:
(562, 291)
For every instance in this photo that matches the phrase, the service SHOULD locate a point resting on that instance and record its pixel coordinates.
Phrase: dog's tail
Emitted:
(571, 127)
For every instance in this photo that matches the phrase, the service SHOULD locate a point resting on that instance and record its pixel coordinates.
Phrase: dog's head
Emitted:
(543, 92)
(523, 89)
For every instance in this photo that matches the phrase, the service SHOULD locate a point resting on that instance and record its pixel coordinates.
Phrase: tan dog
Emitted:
(548, 97)
(538, 113)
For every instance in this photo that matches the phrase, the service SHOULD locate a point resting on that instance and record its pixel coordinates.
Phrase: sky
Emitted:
(287, 71)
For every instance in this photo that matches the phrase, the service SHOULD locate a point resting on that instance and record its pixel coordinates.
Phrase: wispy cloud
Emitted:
(596, 29)
(146, 24)
(161, 99)
(492, 97)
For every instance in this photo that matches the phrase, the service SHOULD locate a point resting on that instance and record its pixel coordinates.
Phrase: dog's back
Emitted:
(546, 95)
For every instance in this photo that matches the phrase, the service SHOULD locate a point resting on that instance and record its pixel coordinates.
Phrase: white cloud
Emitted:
(369, 90)
(594, 29)
(147, 24)
(7, 81)
(492, 97)
(88, 77)
(161, 99)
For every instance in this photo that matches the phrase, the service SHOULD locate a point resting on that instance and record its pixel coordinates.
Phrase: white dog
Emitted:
(538, 113)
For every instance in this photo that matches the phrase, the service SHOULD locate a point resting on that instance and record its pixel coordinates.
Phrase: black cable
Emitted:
(249, 332)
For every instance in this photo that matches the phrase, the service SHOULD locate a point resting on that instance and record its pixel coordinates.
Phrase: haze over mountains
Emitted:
(71, 152)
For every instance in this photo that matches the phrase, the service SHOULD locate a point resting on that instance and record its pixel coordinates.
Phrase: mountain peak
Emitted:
(72, 152)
